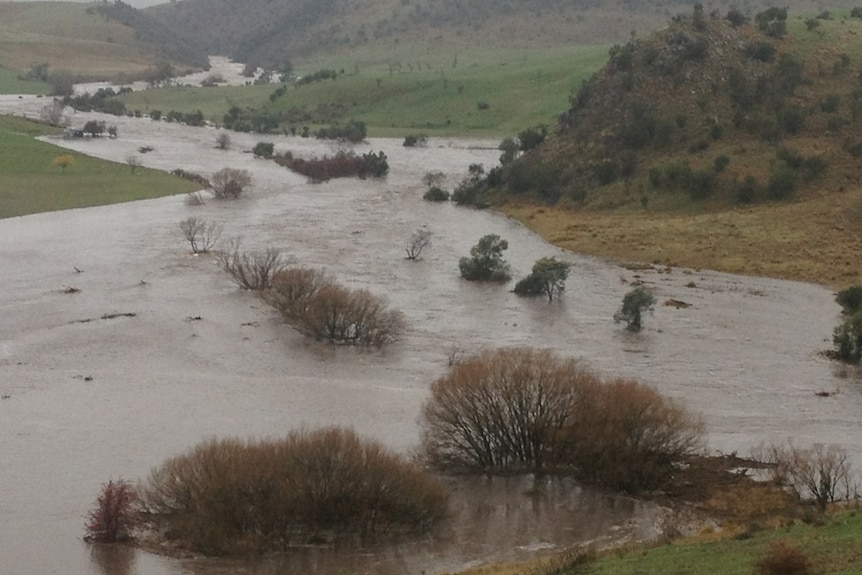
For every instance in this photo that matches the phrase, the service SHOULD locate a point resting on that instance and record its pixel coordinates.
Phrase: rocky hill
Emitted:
(714, 109)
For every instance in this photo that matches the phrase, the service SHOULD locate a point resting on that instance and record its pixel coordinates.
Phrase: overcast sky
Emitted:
(135, 3)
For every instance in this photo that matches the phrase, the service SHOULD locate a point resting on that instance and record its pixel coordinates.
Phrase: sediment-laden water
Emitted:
(87, 401)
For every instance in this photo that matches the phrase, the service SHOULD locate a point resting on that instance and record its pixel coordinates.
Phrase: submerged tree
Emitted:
(634, 304)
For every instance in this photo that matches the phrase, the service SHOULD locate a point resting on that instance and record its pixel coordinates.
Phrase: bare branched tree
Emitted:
(821, 473)
(133, 161)
(230, 183)
(201, 234)
(53, 114)
(420, 240)
(252, 270)
(195, 199)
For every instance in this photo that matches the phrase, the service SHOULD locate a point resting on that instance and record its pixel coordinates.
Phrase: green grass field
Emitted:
(31, 184)
(435, 97)
(11, 84)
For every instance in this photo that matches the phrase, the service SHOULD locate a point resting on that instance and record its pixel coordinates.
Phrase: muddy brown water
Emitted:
(85, 402)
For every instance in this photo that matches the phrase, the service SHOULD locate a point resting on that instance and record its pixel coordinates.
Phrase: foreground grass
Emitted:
(30, 184)
(834, 548)
(516, 89)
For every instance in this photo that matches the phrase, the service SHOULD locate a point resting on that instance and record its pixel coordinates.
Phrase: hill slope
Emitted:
(88, 39)
(267, 32)
(710, 117)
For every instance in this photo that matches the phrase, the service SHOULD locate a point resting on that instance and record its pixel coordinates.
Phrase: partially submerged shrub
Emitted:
(847, 338)
(436, 194)
(116, 514)
(635, 303)
(317, 307)
(420, 240)
(486, 262)
(414, 140)
(230, 183)
(201, 234)
(850, 299)
(252, 270)
(341, 165)
(232, 496)
(517, 410)
(263, 150)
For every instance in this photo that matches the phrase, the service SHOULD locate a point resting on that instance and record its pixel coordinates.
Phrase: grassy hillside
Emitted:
(85, 39)
(31, 184)
(468, 92)
(269, 33)
(11, 83)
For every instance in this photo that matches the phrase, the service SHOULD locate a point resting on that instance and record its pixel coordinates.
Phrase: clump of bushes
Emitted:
(486, 262)
(228, 496)
(524, 410)
(354, 131)
(316, 306)
(415, 140)
(341, 165)
(472, 189)
(436, 194)
(263, 150)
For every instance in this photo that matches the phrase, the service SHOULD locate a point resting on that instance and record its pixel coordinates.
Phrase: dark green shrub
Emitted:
(761, 50)
(782, 182)
(830, 104)
(471, 190)
(736, 18)
(701, 184)
(856, 12)
(354, 131)
(850, 299)
(607, 172)
(231, 496)
(847, 338)
(263, 150)
(622, 57)
(635, 303)
(811, 24)
(813, 167)
(746, 191)
(486, 262)
(842, 66)
(548, 277)
(436, 194)
(772, 22)
(414, 140)
(482, 106)
(792, 119)
(374, 165)
(720, 163)
(716, 132)
(532, 137)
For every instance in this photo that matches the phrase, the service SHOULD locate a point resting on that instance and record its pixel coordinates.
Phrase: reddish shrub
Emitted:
(784, 560)
(116, 513)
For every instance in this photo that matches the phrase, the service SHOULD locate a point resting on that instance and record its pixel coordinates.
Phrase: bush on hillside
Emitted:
(782, 559)
(228, 496)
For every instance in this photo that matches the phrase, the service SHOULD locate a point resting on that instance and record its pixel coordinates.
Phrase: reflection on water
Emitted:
(112, 559)
(112, 398)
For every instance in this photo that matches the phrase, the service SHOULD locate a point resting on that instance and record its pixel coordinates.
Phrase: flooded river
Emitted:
(87, 401)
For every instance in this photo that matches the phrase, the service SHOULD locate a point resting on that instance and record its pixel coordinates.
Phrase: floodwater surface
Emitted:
(185, 355)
